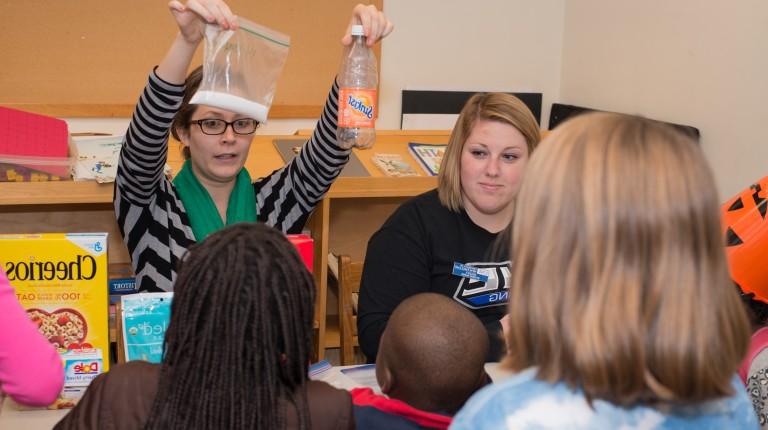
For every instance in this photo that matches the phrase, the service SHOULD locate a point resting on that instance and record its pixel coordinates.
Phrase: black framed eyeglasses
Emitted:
(215, 126)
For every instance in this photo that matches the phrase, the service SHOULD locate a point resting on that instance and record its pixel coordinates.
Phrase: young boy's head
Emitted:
(432, 353)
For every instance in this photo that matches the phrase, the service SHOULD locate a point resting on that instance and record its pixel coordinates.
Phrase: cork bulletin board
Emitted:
(91, 58)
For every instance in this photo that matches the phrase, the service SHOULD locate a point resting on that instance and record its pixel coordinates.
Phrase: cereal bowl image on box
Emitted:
(65, 328)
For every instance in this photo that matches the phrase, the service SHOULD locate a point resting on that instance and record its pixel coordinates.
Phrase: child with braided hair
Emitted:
(236, 350)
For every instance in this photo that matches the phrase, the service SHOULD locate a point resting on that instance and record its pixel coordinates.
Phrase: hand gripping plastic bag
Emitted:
(241, 68)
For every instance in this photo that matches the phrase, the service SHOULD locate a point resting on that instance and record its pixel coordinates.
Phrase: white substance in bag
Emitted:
(232, 103)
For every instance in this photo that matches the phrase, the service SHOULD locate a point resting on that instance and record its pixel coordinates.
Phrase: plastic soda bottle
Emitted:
(358, 79)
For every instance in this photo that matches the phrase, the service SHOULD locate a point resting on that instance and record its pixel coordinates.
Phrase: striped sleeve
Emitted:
(286, 197)
(151, 219)
(144, 151)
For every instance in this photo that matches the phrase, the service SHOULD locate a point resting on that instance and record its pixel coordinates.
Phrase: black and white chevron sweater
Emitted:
(152, 218)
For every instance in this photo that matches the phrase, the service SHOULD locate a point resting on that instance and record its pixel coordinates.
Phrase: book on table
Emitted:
(428, 155)
(290, 148)
(393, 165)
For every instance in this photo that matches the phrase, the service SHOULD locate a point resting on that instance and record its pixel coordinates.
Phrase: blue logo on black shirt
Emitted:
(476, 294)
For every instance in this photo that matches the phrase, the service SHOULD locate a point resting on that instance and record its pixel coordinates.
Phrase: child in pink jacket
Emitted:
(31, 372)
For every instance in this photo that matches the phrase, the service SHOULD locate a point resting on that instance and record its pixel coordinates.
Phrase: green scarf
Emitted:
(201, 210)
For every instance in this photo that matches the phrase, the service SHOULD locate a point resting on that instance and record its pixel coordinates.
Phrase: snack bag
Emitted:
(145, 319)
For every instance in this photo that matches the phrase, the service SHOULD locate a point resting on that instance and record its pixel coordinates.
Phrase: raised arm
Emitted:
(191, 19)
(286, 197)
(144, 151)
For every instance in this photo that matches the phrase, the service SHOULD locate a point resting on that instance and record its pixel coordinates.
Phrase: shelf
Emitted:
(88, 192)
(263, 159)
(54, 193)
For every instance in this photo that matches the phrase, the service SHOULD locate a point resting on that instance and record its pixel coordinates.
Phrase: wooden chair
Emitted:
(119, 340)
(349, 289)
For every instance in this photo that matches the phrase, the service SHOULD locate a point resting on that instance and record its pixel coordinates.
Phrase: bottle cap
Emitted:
(357, 30)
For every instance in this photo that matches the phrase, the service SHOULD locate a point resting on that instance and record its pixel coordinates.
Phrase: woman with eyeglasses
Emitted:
(158, 218)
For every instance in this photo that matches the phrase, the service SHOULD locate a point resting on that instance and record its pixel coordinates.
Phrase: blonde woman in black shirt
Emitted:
(444, 241)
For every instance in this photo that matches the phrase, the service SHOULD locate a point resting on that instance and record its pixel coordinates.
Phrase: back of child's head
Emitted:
(432, 354)
(240, 334)
(619, 284)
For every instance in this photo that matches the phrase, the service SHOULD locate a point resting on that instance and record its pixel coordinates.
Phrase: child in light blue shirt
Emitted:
(523, 402)
(621, 314)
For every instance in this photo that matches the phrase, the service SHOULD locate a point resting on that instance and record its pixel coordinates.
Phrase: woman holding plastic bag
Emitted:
(158, 218)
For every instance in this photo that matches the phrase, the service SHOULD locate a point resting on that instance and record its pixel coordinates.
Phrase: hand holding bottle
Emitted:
(375, 25)
(358, 78)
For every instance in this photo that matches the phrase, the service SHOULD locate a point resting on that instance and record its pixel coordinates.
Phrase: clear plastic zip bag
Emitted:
(241, 68)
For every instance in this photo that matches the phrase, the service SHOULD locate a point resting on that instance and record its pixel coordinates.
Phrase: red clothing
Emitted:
(31, 372)
(373, 411)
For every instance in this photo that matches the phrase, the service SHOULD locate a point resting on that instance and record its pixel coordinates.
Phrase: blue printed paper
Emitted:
(318, 368)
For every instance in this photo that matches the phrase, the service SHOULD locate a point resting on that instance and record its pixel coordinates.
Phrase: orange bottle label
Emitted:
(357, 107)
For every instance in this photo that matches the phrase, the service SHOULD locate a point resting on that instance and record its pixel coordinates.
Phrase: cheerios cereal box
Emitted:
(61, 281)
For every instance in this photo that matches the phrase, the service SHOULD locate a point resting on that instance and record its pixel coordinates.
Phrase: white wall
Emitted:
(490, 45)
(702, 63)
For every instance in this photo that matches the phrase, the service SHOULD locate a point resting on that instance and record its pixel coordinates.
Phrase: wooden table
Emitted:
(343, 221)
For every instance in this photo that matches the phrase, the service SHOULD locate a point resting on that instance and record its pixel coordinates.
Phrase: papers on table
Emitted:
(345, 377)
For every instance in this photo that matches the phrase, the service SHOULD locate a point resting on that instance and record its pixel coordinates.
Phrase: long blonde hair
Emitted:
(619, 279)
